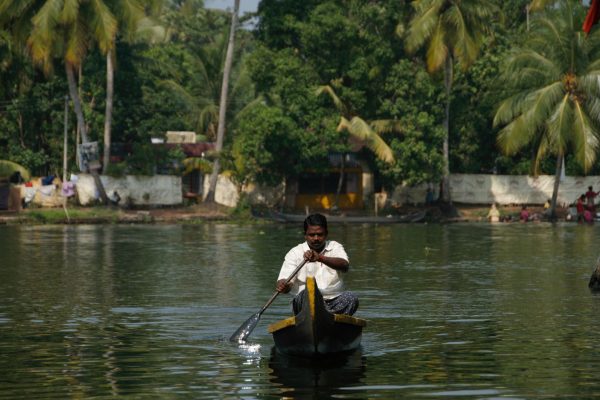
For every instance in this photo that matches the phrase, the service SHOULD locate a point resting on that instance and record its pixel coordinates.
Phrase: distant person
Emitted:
(16, 178)
(590, 195)
(429, 197)
(494, 214)
(580, 206)
(524, 216)
(547, 204)
(327, 261)
(588, 217)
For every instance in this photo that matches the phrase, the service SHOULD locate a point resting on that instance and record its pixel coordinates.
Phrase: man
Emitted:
(326, 261)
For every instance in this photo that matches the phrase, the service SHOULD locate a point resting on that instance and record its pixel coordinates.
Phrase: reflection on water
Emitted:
(318, 379)
(460, 311)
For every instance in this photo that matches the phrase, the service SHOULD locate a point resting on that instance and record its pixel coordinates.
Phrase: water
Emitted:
(465, 311)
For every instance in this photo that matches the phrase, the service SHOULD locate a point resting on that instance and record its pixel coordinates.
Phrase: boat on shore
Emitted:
(417, 216)
(314, 331)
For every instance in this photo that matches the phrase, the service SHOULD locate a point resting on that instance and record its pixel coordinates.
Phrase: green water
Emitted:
(472, 311)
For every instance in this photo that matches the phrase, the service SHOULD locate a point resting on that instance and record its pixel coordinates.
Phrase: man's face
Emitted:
(315, 237)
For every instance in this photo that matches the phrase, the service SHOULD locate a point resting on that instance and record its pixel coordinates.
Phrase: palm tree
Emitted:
(132, 22)
(450, 31)
(66, 30)
(555, 101)
(362, 133)
(210, 195)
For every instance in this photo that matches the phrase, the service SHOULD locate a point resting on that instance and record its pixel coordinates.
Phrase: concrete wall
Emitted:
(154, 190)
(465, 188)
(501, 189)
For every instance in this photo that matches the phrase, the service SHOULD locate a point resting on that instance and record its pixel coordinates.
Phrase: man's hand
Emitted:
(312, 256)
(282, 287)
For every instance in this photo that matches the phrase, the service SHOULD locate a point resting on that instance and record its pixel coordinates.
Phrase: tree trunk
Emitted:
(559, 162)
(210, 195)
(65, 137)
(109, 108)
(339, 185)
(76, 103)
(448, 78)
(82, 127)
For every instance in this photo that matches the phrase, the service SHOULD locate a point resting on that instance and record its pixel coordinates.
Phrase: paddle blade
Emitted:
(245, 329)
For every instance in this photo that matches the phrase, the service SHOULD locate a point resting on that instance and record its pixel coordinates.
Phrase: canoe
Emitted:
(315, 331)
(416, 216)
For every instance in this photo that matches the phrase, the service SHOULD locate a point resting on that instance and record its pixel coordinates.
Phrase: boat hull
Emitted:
(418, 216)
(315, 331)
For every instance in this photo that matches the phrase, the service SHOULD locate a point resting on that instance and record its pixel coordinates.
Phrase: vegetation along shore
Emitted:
(332, 98)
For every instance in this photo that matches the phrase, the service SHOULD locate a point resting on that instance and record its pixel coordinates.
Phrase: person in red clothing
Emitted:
(590, 195)
(580, 208)
(524, 216)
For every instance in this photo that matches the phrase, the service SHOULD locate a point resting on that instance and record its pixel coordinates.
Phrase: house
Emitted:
(319, 190)
(195, 163)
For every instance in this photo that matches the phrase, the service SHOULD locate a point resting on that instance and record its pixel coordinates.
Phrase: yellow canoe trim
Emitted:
(347, 319)
(310, 288)
(291, 321)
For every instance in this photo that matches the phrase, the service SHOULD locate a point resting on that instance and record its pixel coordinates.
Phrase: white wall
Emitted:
(502, 189)
(465, 188)
(140, 190)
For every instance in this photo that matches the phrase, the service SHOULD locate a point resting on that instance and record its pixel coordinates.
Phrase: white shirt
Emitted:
(329, 280)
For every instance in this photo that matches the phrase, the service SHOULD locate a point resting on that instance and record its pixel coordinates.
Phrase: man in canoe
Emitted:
(326, 261)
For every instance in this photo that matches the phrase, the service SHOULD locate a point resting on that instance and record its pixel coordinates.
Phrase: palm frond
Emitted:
(423, 24)
(103, 24)
(560, 123)
(77, 43)
(537, 5)
(437, 51)
(7, 168)
(585, 137)
(361, 130)
(516, 135)
(70, 12)
(382, 126)
(339, 104)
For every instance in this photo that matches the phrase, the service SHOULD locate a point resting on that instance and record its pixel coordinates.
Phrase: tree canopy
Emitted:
(380, 58)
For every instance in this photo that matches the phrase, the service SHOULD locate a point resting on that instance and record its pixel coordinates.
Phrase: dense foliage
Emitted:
(277, 123)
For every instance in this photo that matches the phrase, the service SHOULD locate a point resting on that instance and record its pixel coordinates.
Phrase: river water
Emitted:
(473, 311)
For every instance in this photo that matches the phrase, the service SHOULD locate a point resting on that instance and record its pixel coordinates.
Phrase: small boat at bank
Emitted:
(315, 331)
(417, 216)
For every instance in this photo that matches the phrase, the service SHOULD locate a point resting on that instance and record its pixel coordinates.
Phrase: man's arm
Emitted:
(336, 263)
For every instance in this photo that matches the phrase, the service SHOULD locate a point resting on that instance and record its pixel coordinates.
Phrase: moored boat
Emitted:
(417, 216)
(315, 331)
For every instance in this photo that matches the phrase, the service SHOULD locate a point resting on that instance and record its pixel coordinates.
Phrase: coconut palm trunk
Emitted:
(448, 79)
(82, 127)
(210, 195)
(109, 109)
(559, 163)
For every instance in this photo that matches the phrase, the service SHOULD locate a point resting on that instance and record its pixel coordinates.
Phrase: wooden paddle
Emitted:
(247, 327)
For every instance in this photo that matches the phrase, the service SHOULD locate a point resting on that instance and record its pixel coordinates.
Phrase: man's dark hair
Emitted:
(315, 220)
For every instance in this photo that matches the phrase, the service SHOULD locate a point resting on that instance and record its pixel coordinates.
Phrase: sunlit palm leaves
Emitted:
(7, 168)
(554, 79)
(556, 90)
(368, 135)
(365, 133)
(449, 30)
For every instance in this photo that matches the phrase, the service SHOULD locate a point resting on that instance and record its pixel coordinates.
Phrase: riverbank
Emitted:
(202, 212)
